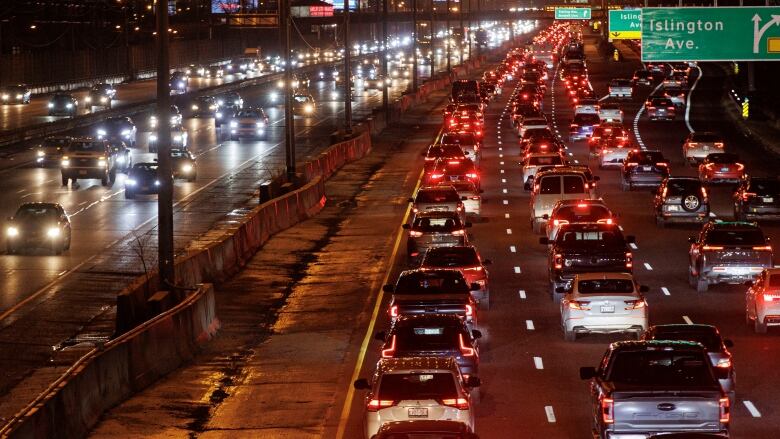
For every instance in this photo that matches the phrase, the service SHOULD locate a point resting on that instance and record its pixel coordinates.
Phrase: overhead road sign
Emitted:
(572, 13)
(625, 24)
(746, 33)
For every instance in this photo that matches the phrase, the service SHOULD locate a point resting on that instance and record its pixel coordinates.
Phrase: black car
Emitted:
(757, 198)
(62, 104)
(15, 94)
(586, 248)
(122, 155)
(432, 292)
(183, 164)
(229, 98)
(224, 113)
(433, 335)
(100, 95)
(118, 128)
(51, 150)
(38, 225)
(178, 82)
(203, 106)
(681, 200)
(643, 168)
(142, 179)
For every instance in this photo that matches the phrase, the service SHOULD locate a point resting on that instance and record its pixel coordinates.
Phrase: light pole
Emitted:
(386, 85)
(347, 72)
(432, 48)
(289, 118)
(414, 46)
(164, 169)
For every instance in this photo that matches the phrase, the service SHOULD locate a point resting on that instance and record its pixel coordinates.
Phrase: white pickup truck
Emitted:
(621, 89)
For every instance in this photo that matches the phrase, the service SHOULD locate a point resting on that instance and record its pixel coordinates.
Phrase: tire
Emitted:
(104, 181)
(112, 176)
(65, 180)
(759, 327)
(569, 336)
(701, 284)
(67, 243)
(691, 203)
(57, 249)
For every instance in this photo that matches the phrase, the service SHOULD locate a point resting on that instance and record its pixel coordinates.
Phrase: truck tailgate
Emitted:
(667, 411)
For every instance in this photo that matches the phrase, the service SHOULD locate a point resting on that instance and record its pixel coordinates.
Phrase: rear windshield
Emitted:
(248, 114)
(434, 225)
(451, 257)
(448, 282)
(417, 386)
(620, 83)
(427, 338)
(705, 138)
(682, 187)
(545, 160)
(709, 339)
(573, 184)
(87, 146)
(723, 158)
(735, 237)
(587, 213)
(661, 102)
(764, 186)
(550, 185)
(661, 368)
(586, 119)
(437, 196)
(590, 238)
(463, 138)
(598, 286)
(649, 157)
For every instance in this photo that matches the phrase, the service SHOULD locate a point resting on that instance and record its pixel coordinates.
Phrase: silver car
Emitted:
(435, 229)
(444, 198)
(762, 301)
(249, 122)
(471, 197)
(698, 145)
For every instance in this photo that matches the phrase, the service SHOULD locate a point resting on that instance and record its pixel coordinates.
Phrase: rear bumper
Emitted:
(761, 212)
(606, 325)
(686, 217)
(648, 434)
(645, 179)
(716, 274)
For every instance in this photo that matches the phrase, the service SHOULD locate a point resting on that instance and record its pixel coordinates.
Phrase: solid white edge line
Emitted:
(752, 409)
(639, 115)
(665, 291)
(687, 320)
(548, 410)
(688, 101)
(529, 324)
(538, 363)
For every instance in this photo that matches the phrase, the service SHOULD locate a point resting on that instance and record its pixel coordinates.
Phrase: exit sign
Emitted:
(572, 13)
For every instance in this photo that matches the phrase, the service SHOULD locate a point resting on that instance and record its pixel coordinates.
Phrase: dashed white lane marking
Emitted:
(606, 96)
(648, 267)
(506, 201)
(501, 156)
(529, 324)
(639, 115)
(665, 291)
(500, 148)
(517, 270)
(752, 409)
(513, 249)
(576, 161)
(503, 180)
(505, 191)
(508, 231)
(521, 293)
(688, 320)
(506, 215)
(538, 363)
(501, 163)
(502, 171)
(712, 215)
(633, 246)
(499, 142)
(688, 101)
(548, 410)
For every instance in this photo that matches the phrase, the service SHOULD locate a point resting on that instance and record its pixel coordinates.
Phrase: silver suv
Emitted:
(435, 229)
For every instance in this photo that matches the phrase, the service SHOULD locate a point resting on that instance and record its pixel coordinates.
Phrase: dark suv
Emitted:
(757, 198)
(432, 292)
(586, 248)
(681, 200)
(643, 168)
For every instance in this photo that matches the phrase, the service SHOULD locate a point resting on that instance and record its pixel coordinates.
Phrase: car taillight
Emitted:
(630, 164)
(704, 193)
(718, 144)
(670, 108)
(747, 195)
(605, 221)
(558, 261)
(430, 159)
(578, 305)
(377, 404)
(692, 144)
(472, 175)
(635, 304)
(469, 310)
(711, 247)
(725, 410)
(389, 352)
(763, 247)
(629, 260)
(558, 222)
(724, 363)
(466, 351)
(436, 176)
(608, 410)
(771, 297)
(415, 233)
(460, 232)
(740, 166)
(459, 403)
(574, 125)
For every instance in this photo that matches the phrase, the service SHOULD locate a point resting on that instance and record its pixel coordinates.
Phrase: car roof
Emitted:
(734, 225)
(437, 214)
(605, 275)
(682, 327)
(646, 345)
(410, 364)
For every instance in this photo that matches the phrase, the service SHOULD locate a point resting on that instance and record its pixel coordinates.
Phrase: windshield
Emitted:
(35, 212)
(418, 386)
(661, 368)
(248, 114)
(736, 237)
(598, 286)
(87, 146)
(590, 238)
(545, 160)
(437, 196)
(437, 282)
(584, 213)
(443, 257)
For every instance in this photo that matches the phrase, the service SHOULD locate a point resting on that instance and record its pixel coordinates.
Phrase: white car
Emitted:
(603, 303)
(587, 106)
(417, 388)
(610, 113)
(620, 89)
(532, 123)
(533, 161)
(612, 153)
(176, 118)
(698, 145)
(552, 186)
(762, 301)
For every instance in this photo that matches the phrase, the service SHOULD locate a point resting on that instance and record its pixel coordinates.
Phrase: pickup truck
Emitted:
(644, 388)
(586, 248)
(620, 89)
(432, 292)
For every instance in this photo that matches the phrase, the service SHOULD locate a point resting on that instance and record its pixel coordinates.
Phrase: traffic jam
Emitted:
(645, 379)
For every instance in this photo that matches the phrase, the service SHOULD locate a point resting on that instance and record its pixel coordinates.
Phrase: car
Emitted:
(675, 93)
(435, 229)
(543, 146)
(51, 150)
(433, 335)
(88, 157)
(727, 252)
(449, 170)
(709, 336)
(680, 78)
(230, 98)
(118, 128)
(532, 162)
(468, 142)
(38, 225)
(179, 139)
(586, 248)
(467, 260)
(757, 198)
(657, 69)
(417, 388)
(554, 185)
(613, 151)
(660, 108)
(203, 106)
(178, 82)
(610, 112)
(681, 67)
(440, 291)
(659, 379)
(762, 301)
(304, 104)
(699, 144)
(15, 94)
(642, 77)
(423, 428)
(175, 120)
(603, 303)
(582, 126)
(142, 179)
(249, 122)
(122, 155)
(100, 95)
(605, 131)
(62, 104)
(195, 71)
(184, 164)
(532, 123)
(680, 200)
(470, 195)
(721, 167)
(445, 151)
(587, 210)
(582, 93)
(214, 72)
(444, 198)
(643, 167)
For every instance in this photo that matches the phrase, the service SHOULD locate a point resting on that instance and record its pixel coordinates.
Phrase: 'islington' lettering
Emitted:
(691, 27)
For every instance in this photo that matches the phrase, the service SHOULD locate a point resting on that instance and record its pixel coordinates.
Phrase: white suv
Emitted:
(549, 187)
(417, 388)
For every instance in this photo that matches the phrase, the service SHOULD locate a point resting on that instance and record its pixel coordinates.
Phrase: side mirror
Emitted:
(721, 373)
(644, 289)
(406, 226)
(476, 334)
(728, 343)
(464, 198)
(544, 240)
(473, 382)
(586, 373)
(631, 239)
(545, 216)
(388, 288)
(692, 239)
(475, 286)
(381, 335)
(361, 384)
(487, 262)
(468, 224)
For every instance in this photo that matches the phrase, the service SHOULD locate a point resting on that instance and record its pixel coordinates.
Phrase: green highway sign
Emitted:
(749, 33)
(572, 13)
(625, 24)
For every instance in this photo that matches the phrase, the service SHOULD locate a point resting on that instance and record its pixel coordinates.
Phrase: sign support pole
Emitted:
(347, 72)
(289, 117)
(164, 170)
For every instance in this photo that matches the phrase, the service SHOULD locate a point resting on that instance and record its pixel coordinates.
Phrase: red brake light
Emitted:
(459, 403)
(376, 404)
(415, 234)
(466, 351)
(740, 166)
(389, 352)
(747, 195)
(635, 304)
(725, 410)
(453, 162)
(578, 305)
(469, 310)
(771, 297)
(608, 410)
(662, 164)
(670, 108)
(394, 311)
(558, 222)
(605, 221)
(763, 247)
(718, 144)
(724, 363)
(436, 176)
(629, 260)
(460, 232)
(558, 261)
(472, 175)
(711, 247)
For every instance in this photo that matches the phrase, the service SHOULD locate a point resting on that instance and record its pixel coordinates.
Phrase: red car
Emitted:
(465, 259)
(721, 167)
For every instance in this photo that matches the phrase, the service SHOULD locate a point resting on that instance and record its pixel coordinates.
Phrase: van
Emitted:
(551, 186)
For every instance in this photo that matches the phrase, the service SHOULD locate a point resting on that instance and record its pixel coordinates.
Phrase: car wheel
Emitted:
(57, 248)
(759, 327)
(104, 180)
(691, 202)
(67, 242)
(64, 180)
(112, 176)
(569, 335)
(701, 284)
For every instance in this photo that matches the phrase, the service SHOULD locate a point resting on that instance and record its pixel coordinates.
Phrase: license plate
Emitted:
(647, 168)
(607, 309)
(706, 147)
(82, 172)
(767, 199)
(724, 169)
(144, 188)
(673, 208)
(418, 412)
(454, 178)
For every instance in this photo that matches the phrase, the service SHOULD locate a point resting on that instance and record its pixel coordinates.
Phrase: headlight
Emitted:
(152, 137)
(130, 182)
(41, 153)
(233, 124)
(88, 99)
(157, 182)
(103, 99)
(308, 108)
(177, 138)
(261, 124)
(280, 84)
(181, 84)
(12, 231)
(68, 105)
(51, 105)
(126, 133)
(186, 168)
(101, 132)
(219, 114)
(334, 95)
(194, 107)
(237, 103)
(120, 159)
(5, 97)
(19, 96)
(53, 232)
(102, 163)
(274, 96)
(65, 162)
(220, 102)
